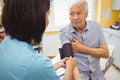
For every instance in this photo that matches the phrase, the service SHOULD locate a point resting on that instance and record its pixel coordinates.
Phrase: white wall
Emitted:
(51, 44)
(61, 12)
(91, 6)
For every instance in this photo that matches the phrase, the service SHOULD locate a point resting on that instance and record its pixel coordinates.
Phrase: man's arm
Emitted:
(102, 51)
(64, 36)
(76, 74)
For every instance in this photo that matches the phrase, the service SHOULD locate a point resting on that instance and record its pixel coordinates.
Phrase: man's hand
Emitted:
(101, 51)
(76, 45)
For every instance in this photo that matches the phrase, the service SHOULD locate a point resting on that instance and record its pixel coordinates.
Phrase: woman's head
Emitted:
(25, 19)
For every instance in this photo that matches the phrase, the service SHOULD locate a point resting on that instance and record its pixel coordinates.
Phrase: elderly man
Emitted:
(87, 41)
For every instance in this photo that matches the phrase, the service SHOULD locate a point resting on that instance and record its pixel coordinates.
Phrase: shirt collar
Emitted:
(72, 30)
(87, 26)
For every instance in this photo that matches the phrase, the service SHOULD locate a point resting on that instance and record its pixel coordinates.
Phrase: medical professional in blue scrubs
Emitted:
(25, 22)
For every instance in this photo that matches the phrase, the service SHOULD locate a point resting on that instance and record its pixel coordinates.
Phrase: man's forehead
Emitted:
(77, 7)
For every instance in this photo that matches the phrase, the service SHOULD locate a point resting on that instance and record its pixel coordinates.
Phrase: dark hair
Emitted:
(4, 1)
(25, 19)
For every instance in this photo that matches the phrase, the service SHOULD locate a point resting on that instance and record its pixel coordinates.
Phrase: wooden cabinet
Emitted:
(113, 38)
(110, 38)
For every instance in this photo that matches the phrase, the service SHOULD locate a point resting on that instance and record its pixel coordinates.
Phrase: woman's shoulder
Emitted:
(43, 69)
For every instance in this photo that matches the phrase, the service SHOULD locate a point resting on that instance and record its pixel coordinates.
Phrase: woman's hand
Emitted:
(70, 64)
(60, 63)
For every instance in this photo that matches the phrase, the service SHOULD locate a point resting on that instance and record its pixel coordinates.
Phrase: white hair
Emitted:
(80, 1)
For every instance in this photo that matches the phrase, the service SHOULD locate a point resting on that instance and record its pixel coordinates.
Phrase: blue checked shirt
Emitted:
(92, 36)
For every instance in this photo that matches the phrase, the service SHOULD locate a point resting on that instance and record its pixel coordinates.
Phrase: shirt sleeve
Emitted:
(42, 69)
(64, 36)
(102, 38)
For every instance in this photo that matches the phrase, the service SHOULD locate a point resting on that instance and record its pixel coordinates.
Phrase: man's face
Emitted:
(78, 15)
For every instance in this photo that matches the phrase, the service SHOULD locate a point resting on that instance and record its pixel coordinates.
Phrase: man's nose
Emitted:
(75, 16)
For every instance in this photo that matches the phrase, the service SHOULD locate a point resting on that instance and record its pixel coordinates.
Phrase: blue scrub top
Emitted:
(19, 61)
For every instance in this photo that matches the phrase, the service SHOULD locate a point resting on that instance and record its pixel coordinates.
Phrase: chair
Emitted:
(106, 63)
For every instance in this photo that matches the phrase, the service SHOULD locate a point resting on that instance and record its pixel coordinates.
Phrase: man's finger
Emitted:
(75, 40)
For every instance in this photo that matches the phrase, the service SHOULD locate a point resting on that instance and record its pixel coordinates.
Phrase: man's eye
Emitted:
(71, 13)
(79, 12)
